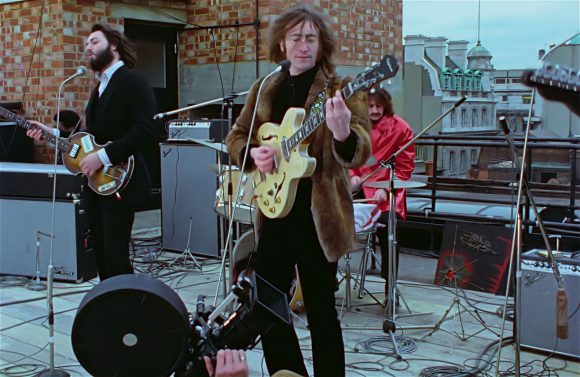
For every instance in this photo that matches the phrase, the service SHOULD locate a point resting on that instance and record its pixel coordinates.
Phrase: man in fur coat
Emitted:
(319, 228)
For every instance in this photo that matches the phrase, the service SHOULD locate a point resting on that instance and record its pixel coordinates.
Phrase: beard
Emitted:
(101, 60)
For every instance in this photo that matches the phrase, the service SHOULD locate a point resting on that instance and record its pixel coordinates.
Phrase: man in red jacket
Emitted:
(388, 134)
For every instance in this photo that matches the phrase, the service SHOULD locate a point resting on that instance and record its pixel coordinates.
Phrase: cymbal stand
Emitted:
(390, 324)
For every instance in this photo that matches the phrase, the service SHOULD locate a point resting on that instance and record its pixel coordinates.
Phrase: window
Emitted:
(463, 118)
(516, 81)
(500, 81)
(452, 162)
(453, 119)
(484, 116)
(474, 117)
(473, 157)
(504, 98)
(462, 160)
(527, 99)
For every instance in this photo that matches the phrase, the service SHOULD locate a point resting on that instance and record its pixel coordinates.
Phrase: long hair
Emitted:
(294, 16)
(383, 97)
(124, 47)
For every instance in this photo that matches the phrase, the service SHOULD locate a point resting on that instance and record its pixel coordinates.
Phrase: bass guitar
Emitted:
(106, 181)
(275, 192)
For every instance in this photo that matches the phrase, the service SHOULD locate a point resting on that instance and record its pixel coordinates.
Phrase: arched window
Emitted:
(467, 80)
(476, 81)
(446, 77)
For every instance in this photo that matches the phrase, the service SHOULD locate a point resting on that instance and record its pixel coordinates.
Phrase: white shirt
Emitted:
(104, 78)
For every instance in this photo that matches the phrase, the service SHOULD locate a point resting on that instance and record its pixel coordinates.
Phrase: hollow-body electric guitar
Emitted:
(106, 181)
(275, 192)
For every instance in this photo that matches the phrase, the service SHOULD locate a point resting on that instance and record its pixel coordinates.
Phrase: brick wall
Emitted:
(365, 30)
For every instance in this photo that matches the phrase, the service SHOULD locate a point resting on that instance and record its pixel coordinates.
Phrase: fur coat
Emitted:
(332, 206)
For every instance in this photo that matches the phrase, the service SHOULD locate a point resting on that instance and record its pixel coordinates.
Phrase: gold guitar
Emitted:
(106, 181)
(275, 191)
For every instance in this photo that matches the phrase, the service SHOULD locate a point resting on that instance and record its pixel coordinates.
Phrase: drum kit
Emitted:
(240, 187)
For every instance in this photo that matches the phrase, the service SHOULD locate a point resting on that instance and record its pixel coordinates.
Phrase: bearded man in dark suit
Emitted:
(120, 114)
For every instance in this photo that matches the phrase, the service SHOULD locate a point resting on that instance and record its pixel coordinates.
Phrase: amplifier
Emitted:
(24, 222)
(25, 180)
(206, 129)
(538, 303)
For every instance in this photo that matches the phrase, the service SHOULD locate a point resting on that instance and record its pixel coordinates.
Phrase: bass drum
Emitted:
(131, 325)
(242, 260)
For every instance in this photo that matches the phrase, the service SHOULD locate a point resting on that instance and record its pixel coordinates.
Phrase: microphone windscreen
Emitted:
(81, 70)
(285, 65)
(504, 125)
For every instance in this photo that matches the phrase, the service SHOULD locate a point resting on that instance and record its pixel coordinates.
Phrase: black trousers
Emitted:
(383, 235)
(283, 244)
(111, 222)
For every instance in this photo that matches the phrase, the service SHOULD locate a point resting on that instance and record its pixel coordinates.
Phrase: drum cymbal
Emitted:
(398, 184)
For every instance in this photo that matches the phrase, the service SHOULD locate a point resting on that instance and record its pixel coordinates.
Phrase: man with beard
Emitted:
(388, 134)
(120, 114)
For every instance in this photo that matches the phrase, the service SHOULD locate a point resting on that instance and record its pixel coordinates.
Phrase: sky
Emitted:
(512, 30)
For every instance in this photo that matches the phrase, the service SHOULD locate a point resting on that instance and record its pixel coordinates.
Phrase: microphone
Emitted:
(504, 125)
(81, 70)
(460, 101)
(284, 66)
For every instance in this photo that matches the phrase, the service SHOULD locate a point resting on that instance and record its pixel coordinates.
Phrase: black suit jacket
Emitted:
(123, 117)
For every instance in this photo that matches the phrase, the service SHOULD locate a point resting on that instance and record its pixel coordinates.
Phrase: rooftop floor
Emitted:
(458, 325)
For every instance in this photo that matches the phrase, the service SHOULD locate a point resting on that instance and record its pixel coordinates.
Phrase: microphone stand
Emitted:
(228, 101)
(516, 250)
(52, 372)
(389, 324)
(284, 65)
(384, 163)
(197, 106)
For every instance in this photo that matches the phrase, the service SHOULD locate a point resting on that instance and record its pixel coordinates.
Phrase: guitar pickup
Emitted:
(107, 186)
(74, 151)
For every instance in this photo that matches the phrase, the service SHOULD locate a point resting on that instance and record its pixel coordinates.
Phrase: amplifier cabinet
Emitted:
(188, 194)
(538, 305)
(23, 180)
(22, 220)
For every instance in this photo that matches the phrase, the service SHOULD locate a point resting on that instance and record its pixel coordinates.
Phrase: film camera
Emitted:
(135, 325)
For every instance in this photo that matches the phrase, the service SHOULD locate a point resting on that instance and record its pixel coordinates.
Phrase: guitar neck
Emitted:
(63, 145)
(315, 119)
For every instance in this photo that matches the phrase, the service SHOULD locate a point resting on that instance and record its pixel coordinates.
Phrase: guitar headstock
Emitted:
(385, 69)
(556, 83)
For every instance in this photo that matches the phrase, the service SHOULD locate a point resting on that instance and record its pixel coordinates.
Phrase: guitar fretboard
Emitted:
(316, 117)
(63, 144)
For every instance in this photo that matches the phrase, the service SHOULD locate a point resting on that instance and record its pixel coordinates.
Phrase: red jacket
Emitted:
(388, 135)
